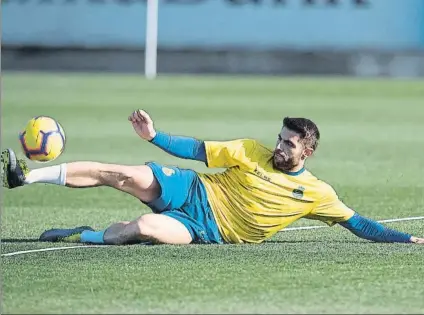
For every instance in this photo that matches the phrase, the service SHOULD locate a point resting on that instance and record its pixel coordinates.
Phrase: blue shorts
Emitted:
(184, 198)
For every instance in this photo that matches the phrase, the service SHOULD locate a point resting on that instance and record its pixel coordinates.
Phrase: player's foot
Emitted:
(14, 170)
(64, 235)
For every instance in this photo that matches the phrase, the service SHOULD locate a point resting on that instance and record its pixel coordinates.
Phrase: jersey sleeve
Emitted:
(330, 209)
(225, 154)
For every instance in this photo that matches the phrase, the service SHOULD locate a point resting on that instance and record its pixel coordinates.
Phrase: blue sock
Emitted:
(95, 237)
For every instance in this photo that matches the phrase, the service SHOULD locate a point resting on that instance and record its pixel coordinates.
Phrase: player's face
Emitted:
(288, 151)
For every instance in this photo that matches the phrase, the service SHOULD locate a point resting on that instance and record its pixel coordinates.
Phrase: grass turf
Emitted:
(371, 152)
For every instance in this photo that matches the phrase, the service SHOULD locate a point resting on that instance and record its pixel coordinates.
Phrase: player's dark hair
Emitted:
(306, 129)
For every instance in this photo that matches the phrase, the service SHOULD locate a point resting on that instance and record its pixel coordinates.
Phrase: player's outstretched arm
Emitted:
(179, 146)
(377, 232)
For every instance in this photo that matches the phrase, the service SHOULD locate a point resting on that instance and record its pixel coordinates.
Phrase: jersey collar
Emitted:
(294, 173)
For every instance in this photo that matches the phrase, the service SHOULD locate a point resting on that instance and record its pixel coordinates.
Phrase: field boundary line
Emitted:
(99, 246)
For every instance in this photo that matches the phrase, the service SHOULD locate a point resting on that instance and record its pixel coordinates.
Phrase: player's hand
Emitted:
(417, 240)
(142, 124)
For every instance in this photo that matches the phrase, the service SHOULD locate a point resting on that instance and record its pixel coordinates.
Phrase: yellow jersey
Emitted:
(251, 201)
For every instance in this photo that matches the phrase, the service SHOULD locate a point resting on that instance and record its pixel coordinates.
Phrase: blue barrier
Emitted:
(253, 24)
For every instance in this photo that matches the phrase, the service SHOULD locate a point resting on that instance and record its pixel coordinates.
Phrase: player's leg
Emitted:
(152, 228)
(138, 181)
(182, 216)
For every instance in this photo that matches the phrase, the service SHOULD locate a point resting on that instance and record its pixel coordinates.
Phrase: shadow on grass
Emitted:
(20, 240)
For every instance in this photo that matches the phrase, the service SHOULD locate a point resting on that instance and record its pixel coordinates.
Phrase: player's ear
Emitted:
(307, 153)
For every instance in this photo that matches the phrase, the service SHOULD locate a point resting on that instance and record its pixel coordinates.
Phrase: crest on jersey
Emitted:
(298, 192)
(168, 171)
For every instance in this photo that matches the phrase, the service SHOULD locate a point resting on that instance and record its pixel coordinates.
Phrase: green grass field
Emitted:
(371, 152)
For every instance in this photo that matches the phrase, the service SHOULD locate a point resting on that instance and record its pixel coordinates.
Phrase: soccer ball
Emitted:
(43, 139)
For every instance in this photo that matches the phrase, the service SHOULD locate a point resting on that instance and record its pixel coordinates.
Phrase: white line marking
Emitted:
(49, 249)
(285, 230)
(324, 226)
(313, 227)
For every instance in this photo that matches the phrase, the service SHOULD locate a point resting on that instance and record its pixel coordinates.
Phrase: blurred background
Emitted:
(279, 37)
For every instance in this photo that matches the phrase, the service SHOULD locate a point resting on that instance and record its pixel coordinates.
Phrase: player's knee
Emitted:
(141, 182)
(140, 176)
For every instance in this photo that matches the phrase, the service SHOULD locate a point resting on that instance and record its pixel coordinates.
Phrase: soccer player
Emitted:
(261, 192)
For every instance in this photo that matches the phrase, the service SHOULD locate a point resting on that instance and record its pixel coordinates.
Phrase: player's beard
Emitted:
(284, 161)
